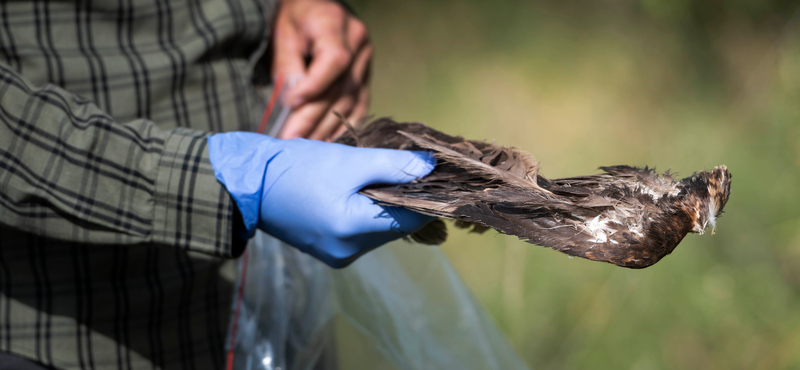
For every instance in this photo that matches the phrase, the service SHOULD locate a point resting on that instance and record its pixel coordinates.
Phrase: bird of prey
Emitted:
(628, 216)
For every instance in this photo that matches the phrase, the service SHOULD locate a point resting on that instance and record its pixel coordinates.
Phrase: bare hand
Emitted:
(337, 77)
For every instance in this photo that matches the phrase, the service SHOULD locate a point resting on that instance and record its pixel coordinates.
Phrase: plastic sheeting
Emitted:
(401, 306)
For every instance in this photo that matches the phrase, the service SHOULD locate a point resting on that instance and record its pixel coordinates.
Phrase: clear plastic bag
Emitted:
(280, 310)
(401, 306)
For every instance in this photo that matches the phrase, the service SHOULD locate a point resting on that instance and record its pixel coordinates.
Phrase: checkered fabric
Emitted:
(115, 237)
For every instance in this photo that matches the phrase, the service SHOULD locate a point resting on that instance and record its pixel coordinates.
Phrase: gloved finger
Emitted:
(407, 221)
(397, 166)
(380, 224)
(367, 227)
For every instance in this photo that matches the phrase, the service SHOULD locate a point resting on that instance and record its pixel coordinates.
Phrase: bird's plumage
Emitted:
(628, 216)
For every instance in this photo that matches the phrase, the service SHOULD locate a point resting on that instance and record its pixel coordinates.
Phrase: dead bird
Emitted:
(628, 216)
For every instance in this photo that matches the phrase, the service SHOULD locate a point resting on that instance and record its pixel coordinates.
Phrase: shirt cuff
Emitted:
(192, 209)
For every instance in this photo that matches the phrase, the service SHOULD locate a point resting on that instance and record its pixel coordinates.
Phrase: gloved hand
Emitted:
(306, 192)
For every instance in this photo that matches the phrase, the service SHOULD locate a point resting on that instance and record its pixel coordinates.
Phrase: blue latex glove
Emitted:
(306, 192)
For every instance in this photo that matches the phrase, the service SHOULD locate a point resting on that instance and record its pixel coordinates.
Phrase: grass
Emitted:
(669, 84)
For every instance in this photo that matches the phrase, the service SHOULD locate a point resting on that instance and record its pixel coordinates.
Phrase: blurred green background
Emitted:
(676, 84)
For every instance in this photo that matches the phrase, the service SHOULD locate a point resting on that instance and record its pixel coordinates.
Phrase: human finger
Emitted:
(332, 56)
(359, 87)
(381, 224)
(356, 114)
(390, 166)
(330, 122)
(303, 120)
(361, 106)
(339, 131)
(315, 117)
(289, 49)
(363, 51)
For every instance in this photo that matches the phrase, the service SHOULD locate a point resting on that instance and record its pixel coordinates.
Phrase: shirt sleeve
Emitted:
(69, 171)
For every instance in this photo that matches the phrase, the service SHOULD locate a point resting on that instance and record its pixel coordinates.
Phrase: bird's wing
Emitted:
(606, 217)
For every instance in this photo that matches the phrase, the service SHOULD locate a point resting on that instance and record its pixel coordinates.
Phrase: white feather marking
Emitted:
(713, 209)
(598, 228)
(601, 233)
(700, 229)
(668, 188)
(636, 229)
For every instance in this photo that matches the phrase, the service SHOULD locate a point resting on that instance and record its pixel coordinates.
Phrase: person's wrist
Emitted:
(240, 161)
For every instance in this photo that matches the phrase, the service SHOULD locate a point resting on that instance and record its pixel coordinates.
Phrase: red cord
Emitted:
(272, 99)
(240, 294)
(239, 299)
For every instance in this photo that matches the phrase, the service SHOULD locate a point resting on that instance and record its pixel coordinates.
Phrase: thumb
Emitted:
(402, 166)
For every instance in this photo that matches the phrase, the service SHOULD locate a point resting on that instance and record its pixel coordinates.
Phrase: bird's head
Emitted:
(706, 195)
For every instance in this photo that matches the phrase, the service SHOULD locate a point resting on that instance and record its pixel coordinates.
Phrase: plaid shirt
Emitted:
(115, 237)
